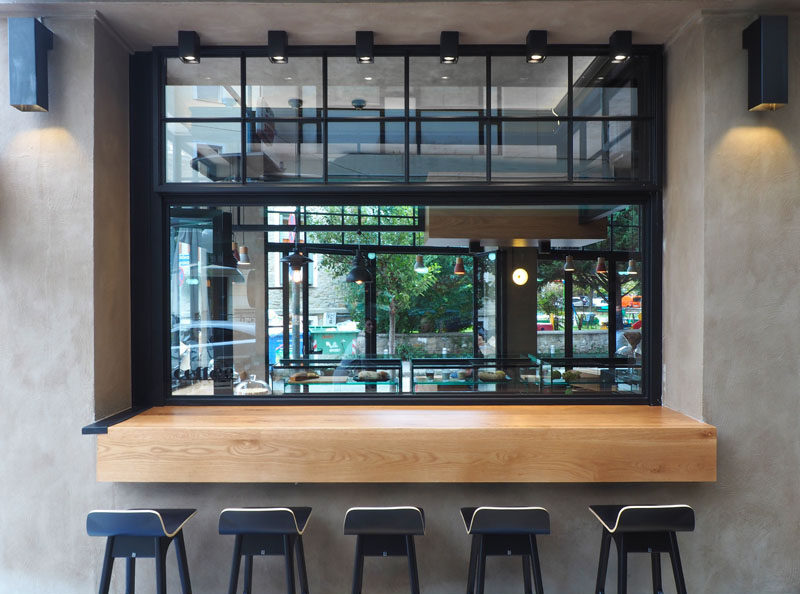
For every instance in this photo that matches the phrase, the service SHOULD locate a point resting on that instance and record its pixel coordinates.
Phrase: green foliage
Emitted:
(408, 351)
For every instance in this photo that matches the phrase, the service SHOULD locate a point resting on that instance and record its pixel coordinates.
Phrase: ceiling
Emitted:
(144, 24)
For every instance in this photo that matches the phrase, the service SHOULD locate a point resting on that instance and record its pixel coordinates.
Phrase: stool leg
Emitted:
(183, 563)
(108, 566)
(248, 574)
(413, 574)
(161, 565)
(288, 547)
(358, 566)
(677, 569)
(481, 577)
(655, 560)
(237, 560)
(130, 575)
(473, 562)
(526, 573)
(537, 570)
(622, 565)
(602, 566)
(301, 565)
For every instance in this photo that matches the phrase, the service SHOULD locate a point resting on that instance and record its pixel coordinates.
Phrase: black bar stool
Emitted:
(264, 531)
(505, 531)
(642, 529)
(385, 532)
(144, 533)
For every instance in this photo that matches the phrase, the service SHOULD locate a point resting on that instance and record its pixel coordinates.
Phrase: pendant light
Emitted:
(569, 264)
(459, 270)
(295, 259)
(359, 274)
(602, 267)
(419, 265)
(631, 268)
(244, 257)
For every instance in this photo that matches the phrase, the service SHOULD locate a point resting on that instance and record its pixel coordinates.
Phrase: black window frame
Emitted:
(151, 199)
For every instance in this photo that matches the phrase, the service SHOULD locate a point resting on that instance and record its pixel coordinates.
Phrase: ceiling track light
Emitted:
(767, 43)
(620, 46)
(189, 47)
(278, 47)
(536, 46)
(365, 47)
(448, 47)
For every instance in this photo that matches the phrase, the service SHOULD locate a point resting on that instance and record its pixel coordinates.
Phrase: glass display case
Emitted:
(475, 375)
(586, 375)
(357, 375)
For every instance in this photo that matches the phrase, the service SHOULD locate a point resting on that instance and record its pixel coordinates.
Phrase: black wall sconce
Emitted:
(536, 47)
(767, 43)
(28, 44)
(448, 47)
(189, 47)
(278, 47)
(365, 47)
(620, 46)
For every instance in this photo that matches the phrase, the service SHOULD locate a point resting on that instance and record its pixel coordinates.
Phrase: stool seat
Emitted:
(137, 522)
(645, 518)
(403, 520)
(264, 520)
(506, 520)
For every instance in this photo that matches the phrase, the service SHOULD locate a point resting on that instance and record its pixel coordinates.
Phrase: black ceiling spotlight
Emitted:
(28, 44)
(536, 46)
(365, 47)
(767, 43)
(278, 47)
(620, 46)
(448, 47)
(189, 47)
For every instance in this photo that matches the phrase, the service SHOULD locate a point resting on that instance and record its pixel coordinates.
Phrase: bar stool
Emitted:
(262, 531)
(144, 533)
(642, 529)
(385, 532)
(505, 531)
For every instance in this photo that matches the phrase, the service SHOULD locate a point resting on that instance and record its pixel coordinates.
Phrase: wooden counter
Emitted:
(418, 444)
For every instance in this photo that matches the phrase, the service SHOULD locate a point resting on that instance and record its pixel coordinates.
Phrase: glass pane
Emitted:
(589, 310)
(447, 151)
(529, 90)
(447, 88)
(625, 229)
(550, 308)
(486, 295)
(366, 150)
(629, 309)
(602, 88)
(210, 89)
(362, 89)
(286, 90)
(284, 151)
(527, 150)
(607, 150)
(202, 152)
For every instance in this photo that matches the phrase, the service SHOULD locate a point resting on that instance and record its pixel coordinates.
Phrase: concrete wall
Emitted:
(734, 297)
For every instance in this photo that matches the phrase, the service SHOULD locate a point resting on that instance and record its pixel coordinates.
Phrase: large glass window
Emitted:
(406, 301)
(408, 119)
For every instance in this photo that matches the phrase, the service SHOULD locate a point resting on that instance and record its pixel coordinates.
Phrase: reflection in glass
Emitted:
(606, 149)
(447, 88)
(589, 310)
(602, 88)
(203, 152)
(447, 151)
(528, 150)
(286, 90)
(210, 89)
(288, 150)
(365, 150)
(358, 89)
(520, 89)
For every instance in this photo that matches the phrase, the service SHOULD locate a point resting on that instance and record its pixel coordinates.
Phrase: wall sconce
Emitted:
(448, 47)
(28, 44)
(365, 47)
(189, 47)
(536, 46)
(767, 43)
(620, 46)
(278, 47)
(519, 276)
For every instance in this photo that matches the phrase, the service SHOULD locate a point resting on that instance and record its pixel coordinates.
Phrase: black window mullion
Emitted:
(243, 126)
(570, 156)
(568, 314)
(325, 118)
(407, 122)
(611, 302)
(485, 125)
